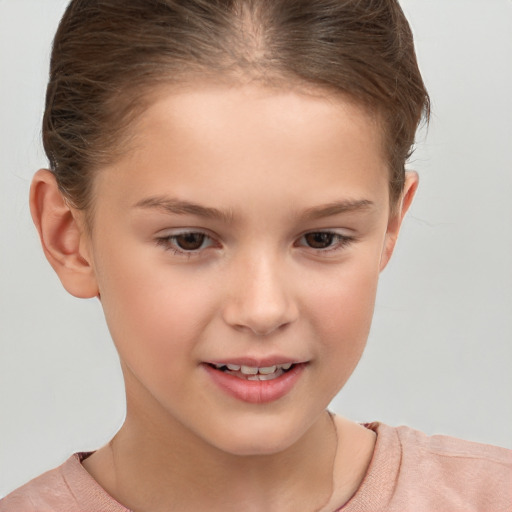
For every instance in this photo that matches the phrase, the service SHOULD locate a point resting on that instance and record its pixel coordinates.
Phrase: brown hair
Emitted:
(108, 54)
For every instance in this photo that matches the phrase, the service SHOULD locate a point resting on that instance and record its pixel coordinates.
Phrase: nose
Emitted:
(260, 298)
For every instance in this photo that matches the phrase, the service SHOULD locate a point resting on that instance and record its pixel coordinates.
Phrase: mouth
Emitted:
(254, 373)
(256, 382)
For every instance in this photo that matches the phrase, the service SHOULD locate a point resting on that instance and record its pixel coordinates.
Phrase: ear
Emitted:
(396, 217)
(62, 237)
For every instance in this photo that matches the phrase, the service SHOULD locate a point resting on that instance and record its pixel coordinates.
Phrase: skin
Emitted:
(275, 165)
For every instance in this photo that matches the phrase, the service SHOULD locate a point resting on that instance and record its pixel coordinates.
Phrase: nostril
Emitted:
(266, 331)
(263, 306)
(258, 329)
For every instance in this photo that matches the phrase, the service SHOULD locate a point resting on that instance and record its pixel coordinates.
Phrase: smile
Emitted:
(254, 373)
(255, 384)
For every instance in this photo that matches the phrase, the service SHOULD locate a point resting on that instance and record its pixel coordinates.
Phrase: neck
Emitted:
(185, 473)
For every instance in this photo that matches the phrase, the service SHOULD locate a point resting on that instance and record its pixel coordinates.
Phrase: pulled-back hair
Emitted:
(109, 54)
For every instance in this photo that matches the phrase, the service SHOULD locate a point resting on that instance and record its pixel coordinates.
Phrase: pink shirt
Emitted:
(409, 471)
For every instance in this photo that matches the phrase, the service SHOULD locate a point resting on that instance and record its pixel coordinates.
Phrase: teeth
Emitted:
(265, 377)
(248, 370)
(268, 377)
(252, 370)
(268, 370)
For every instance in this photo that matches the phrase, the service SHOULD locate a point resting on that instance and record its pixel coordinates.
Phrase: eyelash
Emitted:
(169, 243)
(339, 241)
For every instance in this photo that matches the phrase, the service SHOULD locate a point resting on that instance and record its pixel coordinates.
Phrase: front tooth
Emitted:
(267, 370)
(233, 367)
(248, 370)
(286, 366)
(269, 377)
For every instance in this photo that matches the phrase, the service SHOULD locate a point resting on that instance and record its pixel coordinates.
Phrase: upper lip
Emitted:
(256, 363)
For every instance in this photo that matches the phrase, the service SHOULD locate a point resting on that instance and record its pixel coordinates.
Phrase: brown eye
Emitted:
(320, 240)
(190, 241)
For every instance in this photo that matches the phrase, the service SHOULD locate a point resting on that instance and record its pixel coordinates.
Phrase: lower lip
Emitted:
(256, 391)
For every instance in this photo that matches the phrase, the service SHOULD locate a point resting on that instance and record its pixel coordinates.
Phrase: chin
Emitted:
(268, 438)
(254, 447)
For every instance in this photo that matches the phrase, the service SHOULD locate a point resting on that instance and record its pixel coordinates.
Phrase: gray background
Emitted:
(440, 350)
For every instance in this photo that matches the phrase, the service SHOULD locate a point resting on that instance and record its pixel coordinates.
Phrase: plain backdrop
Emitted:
(440, 351)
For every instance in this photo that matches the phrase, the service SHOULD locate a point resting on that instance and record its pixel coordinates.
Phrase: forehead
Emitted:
(240, 139)
(253, 105)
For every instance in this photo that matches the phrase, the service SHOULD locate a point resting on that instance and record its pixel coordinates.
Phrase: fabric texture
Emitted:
(413, 472)
(409, 471)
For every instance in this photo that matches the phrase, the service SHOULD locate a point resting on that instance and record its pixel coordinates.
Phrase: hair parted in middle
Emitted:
(109, 55)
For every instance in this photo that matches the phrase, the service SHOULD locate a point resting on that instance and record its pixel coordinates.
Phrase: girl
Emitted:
(227, 177)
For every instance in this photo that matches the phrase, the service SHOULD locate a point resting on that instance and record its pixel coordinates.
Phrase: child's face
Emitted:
(247, 227)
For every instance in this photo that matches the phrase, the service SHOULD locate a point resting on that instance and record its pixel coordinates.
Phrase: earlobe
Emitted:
(61, 236)
(395, 220)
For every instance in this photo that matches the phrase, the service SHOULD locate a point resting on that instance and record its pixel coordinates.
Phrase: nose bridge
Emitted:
(260, 299)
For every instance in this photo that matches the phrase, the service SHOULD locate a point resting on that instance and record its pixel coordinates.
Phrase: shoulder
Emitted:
(453, 472)
(446, 446)
(413, 471)
(67, 487)
(460, 462)
(43, 493)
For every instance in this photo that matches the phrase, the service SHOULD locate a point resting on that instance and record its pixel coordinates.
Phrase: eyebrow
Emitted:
(336, 208)
(180, 207)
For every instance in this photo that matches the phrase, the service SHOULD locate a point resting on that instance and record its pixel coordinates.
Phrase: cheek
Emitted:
(346, 295)
(343, 311)
(155, 313)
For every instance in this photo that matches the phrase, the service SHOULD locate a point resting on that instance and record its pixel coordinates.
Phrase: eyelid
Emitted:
(168, 232)
(165, 238)
(344, 240)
